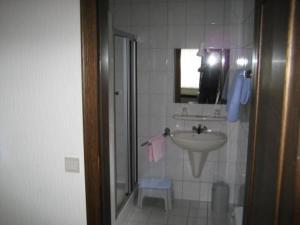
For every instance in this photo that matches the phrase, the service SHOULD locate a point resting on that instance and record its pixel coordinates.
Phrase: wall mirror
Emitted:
(200, 75)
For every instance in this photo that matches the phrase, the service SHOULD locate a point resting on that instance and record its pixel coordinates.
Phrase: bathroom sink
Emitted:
(206, 141)
(198, 146)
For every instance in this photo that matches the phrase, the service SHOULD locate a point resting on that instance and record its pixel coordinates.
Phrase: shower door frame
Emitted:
(131, 116)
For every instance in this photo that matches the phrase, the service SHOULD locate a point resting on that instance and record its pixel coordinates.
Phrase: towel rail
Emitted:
(166, 133)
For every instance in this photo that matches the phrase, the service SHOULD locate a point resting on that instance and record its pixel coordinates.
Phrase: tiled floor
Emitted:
(183, 213)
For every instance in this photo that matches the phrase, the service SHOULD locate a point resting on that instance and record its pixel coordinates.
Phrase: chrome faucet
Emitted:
(199, 129)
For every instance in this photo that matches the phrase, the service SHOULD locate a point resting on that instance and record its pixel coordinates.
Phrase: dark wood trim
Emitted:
(288, 144)
(287, 207)
(297, 185)
(94, 47)
(254, 112)
(89, 51)
(103, 94)
(297, 71)
(281, 201)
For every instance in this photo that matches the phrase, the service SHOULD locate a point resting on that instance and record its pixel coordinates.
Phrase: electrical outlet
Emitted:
(72, 164)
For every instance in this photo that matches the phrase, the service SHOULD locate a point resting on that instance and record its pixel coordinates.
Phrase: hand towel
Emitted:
(239, 93)
(156, 149)
(246, 91)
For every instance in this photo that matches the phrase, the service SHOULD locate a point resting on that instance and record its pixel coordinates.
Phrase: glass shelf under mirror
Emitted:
(195, 117)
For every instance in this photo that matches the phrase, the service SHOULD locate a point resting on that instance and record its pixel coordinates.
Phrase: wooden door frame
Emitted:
(287, 198)
(94, 52)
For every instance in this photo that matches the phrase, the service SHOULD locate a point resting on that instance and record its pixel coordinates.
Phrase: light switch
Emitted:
(71, 164)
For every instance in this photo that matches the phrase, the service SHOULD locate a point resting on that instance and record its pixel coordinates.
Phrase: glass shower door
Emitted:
(125, 118)
(121, 118)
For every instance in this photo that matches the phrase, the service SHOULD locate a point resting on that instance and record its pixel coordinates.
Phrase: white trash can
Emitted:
(220, 197)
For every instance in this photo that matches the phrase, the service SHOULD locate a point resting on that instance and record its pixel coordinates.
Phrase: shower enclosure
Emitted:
(125, 116)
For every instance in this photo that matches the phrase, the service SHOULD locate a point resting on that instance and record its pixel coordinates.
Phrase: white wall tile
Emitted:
(232, 151)
(205, 191)
(121, 14)
(143, 35)
(171, 54)
(234, 12)
(158, 13)
(170, 79)
(177, 189)
(248, 8)
(144, 60)
(195, 12)
(221, 171)
(174, 124)
(208, 172)
(195, 36)
(191, 190)
(230, 172)
(177, 36)
(157, 169)
(159, 58)
(156, 102)
(158, 36)
(174, 168)
(214, 36)
(174, 152)
(248, 35)
(143, 104)
(233, 36)
(143, 82)
(157, 125)
(143, 126)
(214, 12)
(176, 13)
(157, 86)
(187, 171)
(213, 156)
(140, 14)
(175, 108)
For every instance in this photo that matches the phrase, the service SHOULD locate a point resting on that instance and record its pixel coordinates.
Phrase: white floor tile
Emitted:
(199, 205)
(179, 212)
(197, 221)
(158, 217)
(183, 213)
(178, 203)
(177, 220)
(140, 215)
(198, 213)
(136, 223)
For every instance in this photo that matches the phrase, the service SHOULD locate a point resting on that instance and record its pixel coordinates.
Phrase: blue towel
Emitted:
(239, 93)
(246, 91)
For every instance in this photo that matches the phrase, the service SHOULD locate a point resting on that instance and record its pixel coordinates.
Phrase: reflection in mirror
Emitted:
(201, 76)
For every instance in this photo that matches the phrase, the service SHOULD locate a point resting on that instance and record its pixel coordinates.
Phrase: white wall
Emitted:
(41, 113)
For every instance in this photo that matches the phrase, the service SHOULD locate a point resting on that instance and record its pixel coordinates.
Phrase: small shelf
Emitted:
(194, 117)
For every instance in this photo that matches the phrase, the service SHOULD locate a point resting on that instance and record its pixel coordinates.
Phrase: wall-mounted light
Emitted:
(213, 59)
(242, 61)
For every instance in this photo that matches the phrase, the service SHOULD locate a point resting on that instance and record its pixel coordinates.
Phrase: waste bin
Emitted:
(220, 197)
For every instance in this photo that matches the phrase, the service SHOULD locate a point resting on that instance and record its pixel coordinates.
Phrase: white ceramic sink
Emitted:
(205, 141)
(198, 146)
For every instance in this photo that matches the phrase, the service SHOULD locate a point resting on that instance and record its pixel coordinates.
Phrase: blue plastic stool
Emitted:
(156, 188)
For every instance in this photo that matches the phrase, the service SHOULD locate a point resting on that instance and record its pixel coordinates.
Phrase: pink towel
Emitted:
(156, 151)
